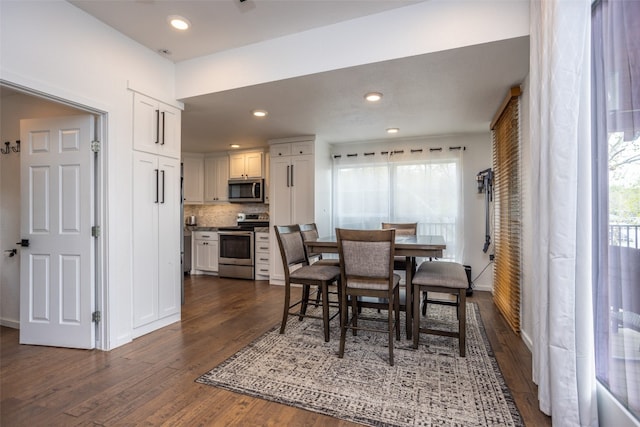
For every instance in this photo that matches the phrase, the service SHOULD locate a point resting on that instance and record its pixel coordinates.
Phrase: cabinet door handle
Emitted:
(162, 186)
(163, 128)
(157, 126)
(157, 190)
(288, 176)
(292, 176)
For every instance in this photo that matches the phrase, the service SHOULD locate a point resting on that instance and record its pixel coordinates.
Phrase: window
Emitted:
(616, 142)
(426, 188)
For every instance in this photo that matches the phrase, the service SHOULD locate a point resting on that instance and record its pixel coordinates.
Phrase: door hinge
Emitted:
(96, 317)
(95, 231)
(95, 146)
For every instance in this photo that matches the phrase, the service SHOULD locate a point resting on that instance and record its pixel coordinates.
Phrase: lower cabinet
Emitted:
(262, 255)
(205, 249)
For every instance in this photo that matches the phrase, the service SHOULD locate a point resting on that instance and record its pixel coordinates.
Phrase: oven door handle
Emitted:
(235, 233)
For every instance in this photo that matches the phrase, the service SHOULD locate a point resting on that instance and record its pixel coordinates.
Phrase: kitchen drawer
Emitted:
(262, 246)
(262, 270)
(205, 235)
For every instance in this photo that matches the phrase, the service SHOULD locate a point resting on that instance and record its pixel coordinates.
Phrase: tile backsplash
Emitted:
(222, 215)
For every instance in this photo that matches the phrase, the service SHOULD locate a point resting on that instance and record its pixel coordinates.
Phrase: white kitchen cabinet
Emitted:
(156, 242)
(262, 255)
(156, 127)
(216, 178)
(193, 173)
(206, 251)
(292, 192)
(245, 165)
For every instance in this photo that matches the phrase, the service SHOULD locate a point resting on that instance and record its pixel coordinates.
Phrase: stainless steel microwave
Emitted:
(246, 190)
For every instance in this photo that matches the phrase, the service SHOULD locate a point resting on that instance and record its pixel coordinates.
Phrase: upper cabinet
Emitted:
(245, 165)
(156, 127)
(216, 177)
(193, 174)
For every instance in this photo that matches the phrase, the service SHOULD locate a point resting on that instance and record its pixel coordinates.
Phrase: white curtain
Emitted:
(563, 349)
(419, 185)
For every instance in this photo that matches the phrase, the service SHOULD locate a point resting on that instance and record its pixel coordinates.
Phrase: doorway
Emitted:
(19, 103)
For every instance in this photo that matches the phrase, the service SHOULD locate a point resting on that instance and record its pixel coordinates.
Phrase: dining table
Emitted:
(411, 247)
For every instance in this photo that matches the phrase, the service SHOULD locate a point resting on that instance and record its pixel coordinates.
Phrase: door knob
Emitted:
(24, 243)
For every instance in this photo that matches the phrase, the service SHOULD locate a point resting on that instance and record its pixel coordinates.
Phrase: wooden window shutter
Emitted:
(507, 206)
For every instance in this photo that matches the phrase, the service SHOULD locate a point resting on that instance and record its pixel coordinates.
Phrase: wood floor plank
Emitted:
(151, 381)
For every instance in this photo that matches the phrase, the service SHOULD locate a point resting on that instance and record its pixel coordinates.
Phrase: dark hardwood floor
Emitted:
(151, 381)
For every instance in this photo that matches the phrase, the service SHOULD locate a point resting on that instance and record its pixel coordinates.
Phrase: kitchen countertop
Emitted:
(200, 228)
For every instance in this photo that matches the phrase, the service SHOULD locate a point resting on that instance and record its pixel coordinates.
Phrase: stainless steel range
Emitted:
(236, 255)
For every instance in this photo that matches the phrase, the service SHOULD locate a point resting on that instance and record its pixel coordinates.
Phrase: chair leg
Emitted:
(324, 289)
(318, 296)
(390, 328)
(416, 316)
(344, 319)
(355, 308)
(287, 301)
(397, 313)
(305, 301)
(424, 304)
(462, 322)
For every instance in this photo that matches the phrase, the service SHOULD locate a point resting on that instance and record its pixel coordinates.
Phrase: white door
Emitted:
(146, 197)
(169, 236)
(57, 210)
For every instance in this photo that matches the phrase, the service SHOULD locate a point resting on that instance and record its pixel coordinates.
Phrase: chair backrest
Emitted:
(366, 256)
(310, 232)
(402, 228)
(291, 246)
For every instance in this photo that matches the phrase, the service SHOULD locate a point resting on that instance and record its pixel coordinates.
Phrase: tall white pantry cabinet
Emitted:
(291, 192)
(156, 215)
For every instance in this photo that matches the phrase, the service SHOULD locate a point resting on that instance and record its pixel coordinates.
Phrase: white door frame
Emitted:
(100, 201)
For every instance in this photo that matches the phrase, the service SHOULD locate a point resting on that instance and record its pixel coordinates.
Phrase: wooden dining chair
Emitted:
(366, 269)
(402, 229)
(310, 232)
(298, 271)
(400, 262)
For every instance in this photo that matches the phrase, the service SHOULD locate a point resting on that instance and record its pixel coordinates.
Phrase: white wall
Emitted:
(425, 27)
(55, 48)
(476, 157)
(14, 108)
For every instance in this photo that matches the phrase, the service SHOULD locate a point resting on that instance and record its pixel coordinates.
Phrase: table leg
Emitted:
(410, 265)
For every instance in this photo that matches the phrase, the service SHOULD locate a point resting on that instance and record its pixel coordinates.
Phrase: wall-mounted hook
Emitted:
(8, 148)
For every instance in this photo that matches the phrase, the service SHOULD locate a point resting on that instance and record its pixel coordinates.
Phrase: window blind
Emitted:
(507, 205)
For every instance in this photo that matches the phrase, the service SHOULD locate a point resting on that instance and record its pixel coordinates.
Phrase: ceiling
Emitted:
(454, 91)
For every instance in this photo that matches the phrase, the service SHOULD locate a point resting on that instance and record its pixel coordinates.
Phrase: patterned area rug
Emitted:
(430, 386)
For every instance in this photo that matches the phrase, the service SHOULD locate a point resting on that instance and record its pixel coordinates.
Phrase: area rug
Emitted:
(430, 386)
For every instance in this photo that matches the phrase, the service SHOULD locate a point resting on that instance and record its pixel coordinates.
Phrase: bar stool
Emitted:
(443, 277)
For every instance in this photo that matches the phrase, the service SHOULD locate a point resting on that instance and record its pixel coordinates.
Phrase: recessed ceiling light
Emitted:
(234, 146)
(179, 22)
(259, 113)
(393, 130)
(373, 96)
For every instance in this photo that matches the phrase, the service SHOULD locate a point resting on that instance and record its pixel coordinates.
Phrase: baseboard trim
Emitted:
(14, 324)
